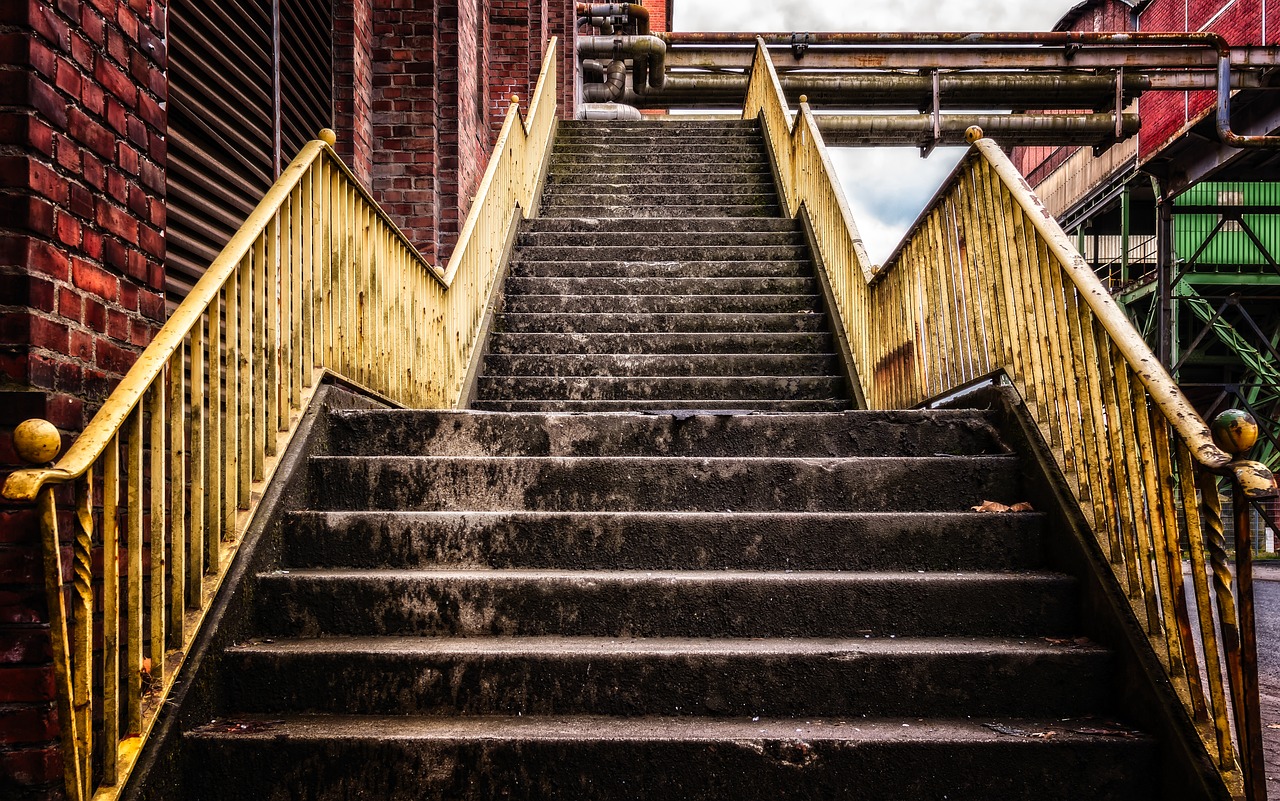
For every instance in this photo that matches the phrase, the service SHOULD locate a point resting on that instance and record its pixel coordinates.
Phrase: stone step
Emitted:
(619, 484)
(658, 540)
(680, 173)
(540, 225)
(611, 200)
(663, 323)
(642, 161)
(766, 677)
(591, 238)
(655, 269)
(594, 758)
(661, 304)
(659, 210)
(716, 405)
(666, 285)
(658, 141)
(663, 364)
(729, 180)
(658, 343)
(663, 603)
(673, 388)
(642, 151)
(669, 126)
(853, 433)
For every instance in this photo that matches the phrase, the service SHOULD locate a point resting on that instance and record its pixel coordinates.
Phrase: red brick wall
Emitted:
(353, 85)
(517, 35)
(659, 16)
(82, 159)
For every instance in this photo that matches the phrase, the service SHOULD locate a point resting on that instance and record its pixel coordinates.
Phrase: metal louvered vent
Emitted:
(239, 108)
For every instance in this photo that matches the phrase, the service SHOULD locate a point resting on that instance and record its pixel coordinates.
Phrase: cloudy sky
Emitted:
(887, 187)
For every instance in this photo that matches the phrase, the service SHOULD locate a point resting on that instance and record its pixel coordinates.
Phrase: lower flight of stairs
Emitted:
(619, 606)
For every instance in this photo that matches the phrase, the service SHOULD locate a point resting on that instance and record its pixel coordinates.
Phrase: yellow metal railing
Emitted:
(987, 282)
(165, 479)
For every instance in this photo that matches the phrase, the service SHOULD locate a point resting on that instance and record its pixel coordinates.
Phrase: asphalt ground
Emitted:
(1266, 594)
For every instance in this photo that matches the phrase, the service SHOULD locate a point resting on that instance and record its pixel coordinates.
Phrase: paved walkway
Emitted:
(1267, 606)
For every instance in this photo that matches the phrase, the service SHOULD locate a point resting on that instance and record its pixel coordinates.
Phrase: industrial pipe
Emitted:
(851, 130)
(1019, 92)
(611, 90)
(647, 54)
(609, 111)
(592, 71)
(607, 12)
(1223, 120)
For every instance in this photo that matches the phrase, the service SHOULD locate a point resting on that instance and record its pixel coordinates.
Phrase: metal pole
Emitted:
(1164, 275)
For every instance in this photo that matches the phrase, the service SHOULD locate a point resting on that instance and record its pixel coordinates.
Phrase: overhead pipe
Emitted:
(592, 71)
(611, 89)
(1019, 92)
(1223, 120)
(852, 130)
(635, 15)
(647, 54)
(609, 111)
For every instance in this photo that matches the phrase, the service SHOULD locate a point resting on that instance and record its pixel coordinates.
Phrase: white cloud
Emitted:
(887, 187)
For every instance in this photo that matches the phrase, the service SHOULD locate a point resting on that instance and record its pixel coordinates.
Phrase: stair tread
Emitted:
(633, 647)
(602, 727)
(669, 576)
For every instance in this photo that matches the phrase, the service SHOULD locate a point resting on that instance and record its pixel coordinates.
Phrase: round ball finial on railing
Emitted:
(37, 441)
(329, 136)
(515, 99)
(804, 98)
(972, 134)
(1235, 431)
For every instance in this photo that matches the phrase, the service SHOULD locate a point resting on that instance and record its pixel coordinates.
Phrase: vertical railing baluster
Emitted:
(244, 393)
(177, 498)
(110, 611)
(82, 634)
(132, 666)
(156, 543)
(213, 441)
(196, 468)
(75, 762)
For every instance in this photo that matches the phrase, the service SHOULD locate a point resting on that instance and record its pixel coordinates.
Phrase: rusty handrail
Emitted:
(987, 283)
(318, 279)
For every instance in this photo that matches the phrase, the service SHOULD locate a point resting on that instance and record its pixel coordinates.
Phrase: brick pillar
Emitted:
(353, 85)
(406, 117)
(82, 183)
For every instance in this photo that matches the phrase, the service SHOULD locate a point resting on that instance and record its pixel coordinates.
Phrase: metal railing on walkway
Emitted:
(159, 488)
(986, 282)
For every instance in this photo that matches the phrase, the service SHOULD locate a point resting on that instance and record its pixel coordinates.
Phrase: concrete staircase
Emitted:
(667, 605)
(661, 274)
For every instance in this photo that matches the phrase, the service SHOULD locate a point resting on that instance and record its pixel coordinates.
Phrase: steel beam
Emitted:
(853, 130)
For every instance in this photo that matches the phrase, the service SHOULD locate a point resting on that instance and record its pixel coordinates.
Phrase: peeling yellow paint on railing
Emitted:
(986, 282)
(317, 279)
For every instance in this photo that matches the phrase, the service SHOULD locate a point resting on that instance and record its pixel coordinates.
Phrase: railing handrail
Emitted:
(24, 485)
(987, 284)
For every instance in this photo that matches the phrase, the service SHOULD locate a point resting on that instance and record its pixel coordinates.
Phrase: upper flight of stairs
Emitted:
(660, 601)
(661, 274)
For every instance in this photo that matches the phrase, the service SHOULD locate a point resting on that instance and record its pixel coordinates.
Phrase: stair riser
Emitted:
(589, 197)
(727, 388)
(630, 192)
(862, 433)
(515, 344)
(641, 152)
(659, 142)
(661, 286)
(591, 484)
(628, 323)
(845, 685)
(531, 253)
(623, 365)
(665, 541)
(628, 606)
(622, 172)
(641, 162)
(765, 769)
(544, 225)
(664, 239)
(658, 211)
(663, 406)
(685, 269)
(662, 304)
(729, 180)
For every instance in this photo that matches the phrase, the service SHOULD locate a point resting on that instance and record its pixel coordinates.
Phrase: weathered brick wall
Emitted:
(659, 14)
(82, 159)
(353, 85)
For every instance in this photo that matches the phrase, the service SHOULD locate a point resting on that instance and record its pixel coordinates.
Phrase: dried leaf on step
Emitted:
(997, 507)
